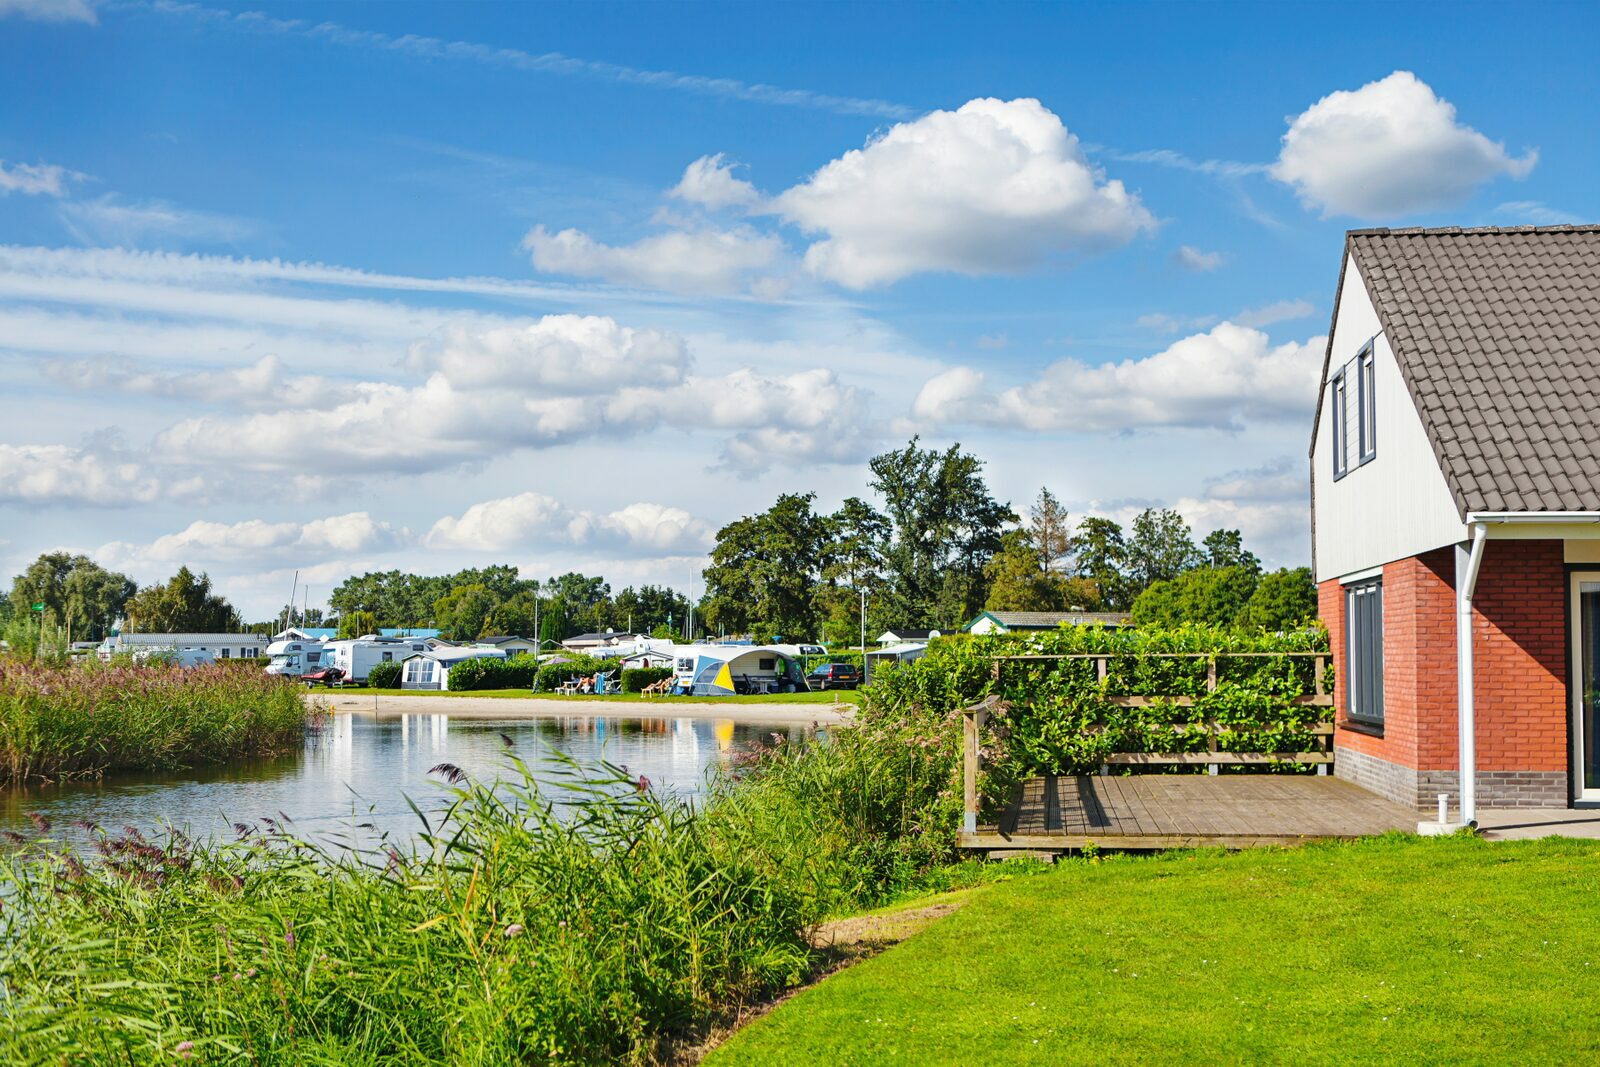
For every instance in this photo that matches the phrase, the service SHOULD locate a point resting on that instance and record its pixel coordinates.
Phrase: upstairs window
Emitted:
(1353, 397)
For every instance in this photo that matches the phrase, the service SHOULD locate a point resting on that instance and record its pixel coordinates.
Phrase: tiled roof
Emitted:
(1497, 333)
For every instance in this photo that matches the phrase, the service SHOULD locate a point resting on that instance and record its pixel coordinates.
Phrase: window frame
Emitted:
(1366, 396)
(1364, 647)
(1338, 395)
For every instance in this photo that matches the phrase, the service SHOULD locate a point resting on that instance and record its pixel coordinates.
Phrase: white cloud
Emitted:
(1163, 322)
(50, 11)
(1277, 311)
(109, 220)
(93, 476)
(709, 182)
(1191, 258)
(1537, 213)
(255, 541)
(32, 179)
(1221, 379)
(265, 384)
(534, 519)
(570, 355)
(706, 260)
(1388, 149)
(993, 187)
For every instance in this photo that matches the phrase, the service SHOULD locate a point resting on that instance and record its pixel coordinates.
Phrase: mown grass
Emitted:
(1389, 950)
(843, 696)
(84, 721)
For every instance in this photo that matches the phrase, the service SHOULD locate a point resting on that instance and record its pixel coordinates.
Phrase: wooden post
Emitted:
(1211, 724)
(971, 722)
(1321, 690)
(1100, 669)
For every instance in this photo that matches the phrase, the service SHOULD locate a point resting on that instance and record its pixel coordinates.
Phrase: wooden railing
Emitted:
(973, 718)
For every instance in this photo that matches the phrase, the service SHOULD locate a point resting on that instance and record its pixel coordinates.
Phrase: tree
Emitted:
(77, 594)
(516, 616)
(1101, 552)
(1050, 531)
(1017, 579)
(357, 624)
(764, 569)
(464, 612)
(1209, 596)
(182, 604)
(1284, 599)
(1225, 548)
(649, 608)
(946, 527)
(852, 564)
(1160, 547)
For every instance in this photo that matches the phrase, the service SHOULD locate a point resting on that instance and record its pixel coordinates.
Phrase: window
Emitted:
(1341, 459)
(225, 652)
(388, 657)
(1363, 612)
(1369, 404)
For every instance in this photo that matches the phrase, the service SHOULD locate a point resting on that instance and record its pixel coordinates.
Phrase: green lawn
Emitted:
(1389, 950)
(845, 696)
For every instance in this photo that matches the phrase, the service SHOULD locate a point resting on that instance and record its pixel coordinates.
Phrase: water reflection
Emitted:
(351, 780)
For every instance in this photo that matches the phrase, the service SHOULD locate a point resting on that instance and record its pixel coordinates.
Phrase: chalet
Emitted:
(1006, 622)
(1455, 491)
(904, 635)
(509, 644)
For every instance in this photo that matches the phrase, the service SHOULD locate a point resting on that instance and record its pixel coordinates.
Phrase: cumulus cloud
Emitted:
(1190, 258)
(570, 355)
(474, 404)
(50, 10)
(709, 183)
(1221, 379)
(535, 519)
(254, 540)
(993, 187)
(705, 260)
(34, 179)
(1388, 149)
(91, 476)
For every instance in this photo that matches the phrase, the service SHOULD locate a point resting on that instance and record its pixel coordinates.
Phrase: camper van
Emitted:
(356, 657)
(296, 657)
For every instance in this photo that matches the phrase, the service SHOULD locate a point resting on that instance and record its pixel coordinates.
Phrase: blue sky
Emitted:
(339, 286)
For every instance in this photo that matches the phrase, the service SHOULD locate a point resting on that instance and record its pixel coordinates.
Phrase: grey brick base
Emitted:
(1421, 789)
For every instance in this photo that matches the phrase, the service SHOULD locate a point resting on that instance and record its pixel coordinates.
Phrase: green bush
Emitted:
(635, 679)
(385, 675)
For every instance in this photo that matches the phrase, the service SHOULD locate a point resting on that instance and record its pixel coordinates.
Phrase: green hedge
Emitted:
(513, 672)
(385, 675)
(635, 679)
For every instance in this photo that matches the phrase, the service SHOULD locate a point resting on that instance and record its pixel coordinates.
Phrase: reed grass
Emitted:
(82, 721)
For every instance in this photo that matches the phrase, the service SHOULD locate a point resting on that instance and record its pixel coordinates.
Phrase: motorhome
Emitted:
(297, 656)
(357, 656)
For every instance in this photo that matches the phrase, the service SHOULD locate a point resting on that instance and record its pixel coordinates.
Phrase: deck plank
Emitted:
(1178, 810)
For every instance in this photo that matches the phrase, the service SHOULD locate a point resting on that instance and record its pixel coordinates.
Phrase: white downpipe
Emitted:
(1468, 560)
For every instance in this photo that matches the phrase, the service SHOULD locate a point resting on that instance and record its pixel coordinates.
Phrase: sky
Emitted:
(331, 288)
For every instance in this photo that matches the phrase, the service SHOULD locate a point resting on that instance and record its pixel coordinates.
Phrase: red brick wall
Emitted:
(1519, 633)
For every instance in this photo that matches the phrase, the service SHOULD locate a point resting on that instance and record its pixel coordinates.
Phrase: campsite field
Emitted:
(1392, 949)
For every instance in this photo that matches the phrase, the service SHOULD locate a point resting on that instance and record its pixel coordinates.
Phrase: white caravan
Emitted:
(296, 656)
(356, 657)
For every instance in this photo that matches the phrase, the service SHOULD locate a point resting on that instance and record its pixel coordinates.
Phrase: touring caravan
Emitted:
(357, 656)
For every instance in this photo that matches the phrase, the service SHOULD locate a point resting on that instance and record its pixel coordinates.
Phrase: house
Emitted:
(1006, 622)
(593, 643)
(221, 646)
(901, 635)
(431, 669)
(511, 646)
(1455, 478)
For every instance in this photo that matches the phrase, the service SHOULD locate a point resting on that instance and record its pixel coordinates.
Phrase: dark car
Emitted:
(834, 676)
(325, 676)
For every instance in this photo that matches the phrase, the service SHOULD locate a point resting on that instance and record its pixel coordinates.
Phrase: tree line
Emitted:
(62, 597)
(936, 548)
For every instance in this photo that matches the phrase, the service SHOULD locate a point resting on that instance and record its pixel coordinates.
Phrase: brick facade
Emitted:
(1520, 649)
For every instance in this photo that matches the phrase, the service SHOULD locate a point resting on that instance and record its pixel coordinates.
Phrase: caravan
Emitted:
(355, 658)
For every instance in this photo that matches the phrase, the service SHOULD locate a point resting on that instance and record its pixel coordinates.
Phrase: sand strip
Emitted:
(388, 705)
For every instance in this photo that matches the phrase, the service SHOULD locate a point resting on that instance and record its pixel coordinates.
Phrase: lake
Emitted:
(361, 768)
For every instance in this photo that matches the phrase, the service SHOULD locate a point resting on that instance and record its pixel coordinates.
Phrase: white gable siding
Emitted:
(1397, 505)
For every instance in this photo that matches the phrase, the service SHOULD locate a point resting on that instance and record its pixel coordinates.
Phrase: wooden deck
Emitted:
(1160, 811)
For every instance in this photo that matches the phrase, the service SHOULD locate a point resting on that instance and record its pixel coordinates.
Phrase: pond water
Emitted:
(360, 769)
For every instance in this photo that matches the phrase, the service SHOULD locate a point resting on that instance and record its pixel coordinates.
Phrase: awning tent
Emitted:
(717, 669)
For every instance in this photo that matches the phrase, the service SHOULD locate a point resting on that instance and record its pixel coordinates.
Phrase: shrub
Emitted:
(513, 672)
(385, 675)
(82, 721)
(635, 679)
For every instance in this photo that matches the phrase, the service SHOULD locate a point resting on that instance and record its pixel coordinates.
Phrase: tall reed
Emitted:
(60, 722)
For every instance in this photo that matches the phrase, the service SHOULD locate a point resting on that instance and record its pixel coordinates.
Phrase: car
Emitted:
(327, 677)
(834, 676)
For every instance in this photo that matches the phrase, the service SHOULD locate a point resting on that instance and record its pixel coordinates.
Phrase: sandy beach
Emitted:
(387, 705)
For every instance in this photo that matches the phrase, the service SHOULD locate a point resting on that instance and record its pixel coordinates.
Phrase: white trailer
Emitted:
(356, 657)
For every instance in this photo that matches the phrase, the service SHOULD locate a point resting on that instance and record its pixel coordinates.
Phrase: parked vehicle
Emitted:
(295, 657)
(834, 676)
(357, 656)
